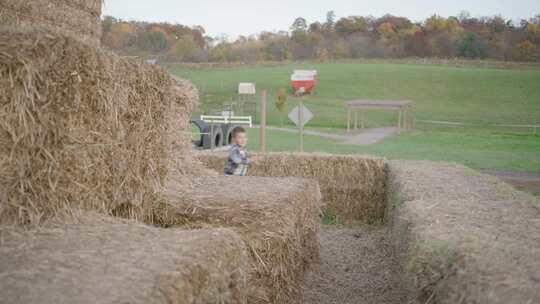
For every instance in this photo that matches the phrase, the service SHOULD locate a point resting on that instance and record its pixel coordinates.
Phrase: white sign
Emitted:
(246, 88)
(304, 75)
(295, 115)
(227, 113)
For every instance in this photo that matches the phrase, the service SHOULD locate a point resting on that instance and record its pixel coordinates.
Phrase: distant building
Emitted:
(247, 88)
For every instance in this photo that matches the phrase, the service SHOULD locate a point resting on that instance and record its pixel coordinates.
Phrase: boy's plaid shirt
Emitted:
(238, 162)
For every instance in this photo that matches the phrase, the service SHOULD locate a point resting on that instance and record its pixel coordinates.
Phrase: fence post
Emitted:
(262, 129)
(301, 122)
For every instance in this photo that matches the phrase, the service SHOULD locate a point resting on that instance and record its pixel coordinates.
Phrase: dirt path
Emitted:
(525, 181)
(308, 132)
(361, 138)
(370, 136)
(357, 267)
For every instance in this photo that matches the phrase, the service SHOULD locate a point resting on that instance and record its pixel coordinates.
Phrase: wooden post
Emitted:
(399, 122)
(362, 125)
(356, 120)
(256, 111)
(348, 120)
(262, 129)
(409, 116)
(405, 119)
(301, 123)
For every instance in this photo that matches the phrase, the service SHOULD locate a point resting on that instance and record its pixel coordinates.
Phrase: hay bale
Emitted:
(105, 260)
(464, 237)
(81, 126)
(91, 6)
(352, 187)
(79, 18)
(277, 218)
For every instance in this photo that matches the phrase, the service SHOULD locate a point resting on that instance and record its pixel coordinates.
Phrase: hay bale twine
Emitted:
(98, 259)
(81, 126)
(79, 18)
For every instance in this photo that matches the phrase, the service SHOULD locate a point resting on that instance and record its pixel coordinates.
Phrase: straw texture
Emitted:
(80, 19)
(352, 187)
(81, 126)
(96, 259)
(278, 219)
(464, 237)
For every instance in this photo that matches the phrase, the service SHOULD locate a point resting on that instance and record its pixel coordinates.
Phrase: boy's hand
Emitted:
(255, 159)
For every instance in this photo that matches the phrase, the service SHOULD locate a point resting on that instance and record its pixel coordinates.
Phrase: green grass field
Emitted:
(471, 95)
(480, 150)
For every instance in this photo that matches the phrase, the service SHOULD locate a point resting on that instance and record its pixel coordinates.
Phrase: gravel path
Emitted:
(308, 132)
(357, 267)
(370, 136)
(360, 137)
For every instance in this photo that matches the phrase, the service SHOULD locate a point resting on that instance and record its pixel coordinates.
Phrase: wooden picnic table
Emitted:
(403, 107)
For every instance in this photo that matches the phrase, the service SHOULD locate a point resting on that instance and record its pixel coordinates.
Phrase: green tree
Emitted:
(330, 21)
(154, 42)
(184, 49)
(472, 46)
(350, 25)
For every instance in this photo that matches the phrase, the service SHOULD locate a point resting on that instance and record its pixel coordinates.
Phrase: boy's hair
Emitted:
(237, 130)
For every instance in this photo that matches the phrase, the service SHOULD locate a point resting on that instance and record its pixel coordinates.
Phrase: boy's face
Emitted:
(241, 139)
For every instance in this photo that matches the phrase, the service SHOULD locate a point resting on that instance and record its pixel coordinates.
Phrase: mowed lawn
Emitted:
(479, 150)
(470, 95)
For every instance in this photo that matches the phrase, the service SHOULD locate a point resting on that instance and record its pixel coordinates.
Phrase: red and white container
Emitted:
(304, 81)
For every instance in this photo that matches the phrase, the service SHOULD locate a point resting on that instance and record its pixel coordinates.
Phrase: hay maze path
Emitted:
(357, 267)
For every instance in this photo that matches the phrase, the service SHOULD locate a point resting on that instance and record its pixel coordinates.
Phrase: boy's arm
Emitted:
(237, 158)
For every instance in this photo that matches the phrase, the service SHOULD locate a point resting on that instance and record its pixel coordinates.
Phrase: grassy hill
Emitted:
(480, 97)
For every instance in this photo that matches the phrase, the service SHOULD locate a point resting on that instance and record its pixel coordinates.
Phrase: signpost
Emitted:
(301, 116)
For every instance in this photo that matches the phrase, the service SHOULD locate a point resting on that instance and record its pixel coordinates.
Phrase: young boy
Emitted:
(239, 158)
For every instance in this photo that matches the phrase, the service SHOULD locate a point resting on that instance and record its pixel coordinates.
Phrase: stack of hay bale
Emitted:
(80, 18)
(352, 187)
(96, 259)
(464, 237)
(82, 126)
(82, 130)
(278, 219)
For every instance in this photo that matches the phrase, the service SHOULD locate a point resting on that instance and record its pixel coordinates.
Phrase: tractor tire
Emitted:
(225, 130)
(228, 133)
(216, 138)
(202, 127)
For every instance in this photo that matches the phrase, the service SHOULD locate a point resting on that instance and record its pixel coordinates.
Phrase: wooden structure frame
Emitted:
(403, 107)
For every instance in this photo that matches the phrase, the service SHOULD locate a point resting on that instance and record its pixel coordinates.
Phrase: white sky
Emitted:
(245, 17)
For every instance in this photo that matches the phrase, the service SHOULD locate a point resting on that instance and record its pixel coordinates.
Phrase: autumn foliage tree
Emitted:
(526, 51)
(389, 36)
(281, 103)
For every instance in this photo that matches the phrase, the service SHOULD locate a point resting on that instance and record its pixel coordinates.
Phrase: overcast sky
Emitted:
(245, 17)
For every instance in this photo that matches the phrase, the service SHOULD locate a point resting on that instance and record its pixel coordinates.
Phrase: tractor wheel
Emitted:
(202, 127)
(215, 139)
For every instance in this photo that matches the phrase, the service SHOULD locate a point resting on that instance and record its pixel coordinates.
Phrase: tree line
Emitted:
(389, 36)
